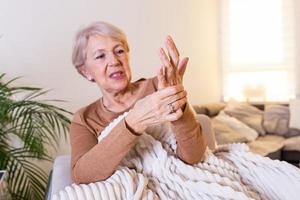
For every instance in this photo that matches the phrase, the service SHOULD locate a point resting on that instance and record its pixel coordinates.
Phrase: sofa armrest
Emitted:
(61, 175)
(207, 131)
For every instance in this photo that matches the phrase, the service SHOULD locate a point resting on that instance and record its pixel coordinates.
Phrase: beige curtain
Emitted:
(258, 50)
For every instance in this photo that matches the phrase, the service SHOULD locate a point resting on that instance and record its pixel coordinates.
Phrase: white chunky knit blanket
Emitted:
(151, 170)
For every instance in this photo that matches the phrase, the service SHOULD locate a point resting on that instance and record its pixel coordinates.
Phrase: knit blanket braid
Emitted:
(151, 170)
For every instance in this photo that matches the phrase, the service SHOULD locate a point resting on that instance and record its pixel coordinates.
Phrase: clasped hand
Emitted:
(165, 104)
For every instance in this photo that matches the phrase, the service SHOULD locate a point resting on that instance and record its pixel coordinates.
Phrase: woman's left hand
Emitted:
(172, 70)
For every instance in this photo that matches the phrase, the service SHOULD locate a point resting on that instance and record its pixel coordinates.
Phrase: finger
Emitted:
(182, 66)
(176, 97)
(173, 44)
(172, 106)
(170, 76)
(174, 116)
(179, 103)
(169, 91)
(172, 51)
(164, 58)
(161, 78)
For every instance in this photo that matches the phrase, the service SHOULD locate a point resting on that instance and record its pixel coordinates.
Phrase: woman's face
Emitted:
(107, 62)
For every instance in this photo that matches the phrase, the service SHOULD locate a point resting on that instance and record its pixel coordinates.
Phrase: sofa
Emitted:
(265, 128)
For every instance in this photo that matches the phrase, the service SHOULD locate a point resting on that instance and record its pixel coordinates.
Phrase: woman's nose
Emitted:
(113, 60)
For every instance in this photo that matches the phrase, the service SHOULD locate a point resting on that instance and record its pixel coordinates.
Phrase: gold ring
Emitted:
(172, 108)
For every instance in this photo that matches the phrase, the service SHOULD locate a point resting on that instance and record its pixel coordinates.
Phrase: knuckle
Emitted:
(173, 90)
(179, 114)
(156, 107)
(181, 87)
(176, 104)
(183, 101)
(176, 88)
(182, 95)
(184, 92)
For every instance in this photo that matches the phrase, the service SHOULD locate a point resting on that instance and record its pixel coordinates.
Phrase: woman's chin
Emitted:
(120, 85)
(114, 85)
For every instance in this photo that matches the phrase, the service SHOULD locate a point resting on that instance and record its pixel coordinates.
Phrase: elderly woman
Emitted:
(101, 55)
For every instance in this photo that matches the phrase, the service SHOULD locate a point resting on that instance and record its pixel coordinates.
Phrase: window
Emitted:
(257, 48)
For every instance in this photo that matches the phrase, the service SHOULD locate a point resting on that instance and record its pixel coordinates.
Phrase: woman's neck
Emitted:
(119, 101)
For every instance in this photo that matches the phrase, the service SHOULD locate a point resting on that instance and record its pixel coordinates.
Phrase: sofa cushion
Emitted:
(248, 114)
(237, 126)
(292, 144)
(267, 144)
(200, 109)
(211, 109)
(276, 121)
(226, 135)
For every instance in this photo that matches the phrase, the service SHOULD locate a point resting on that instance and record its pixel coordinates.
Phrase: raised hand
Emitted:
(172, 69)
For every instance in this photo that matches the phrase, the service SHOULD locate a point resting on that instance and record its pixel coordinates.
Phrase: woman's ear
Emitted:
(85, 72)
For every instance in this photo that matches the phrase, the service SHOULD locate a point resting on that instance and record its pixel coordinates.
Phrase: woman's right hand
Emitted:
(156, 108)
(172, 70)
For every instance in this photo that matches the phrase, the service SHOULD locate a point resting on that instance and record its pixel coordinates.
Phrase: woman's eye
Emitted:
(100, 56)
(120, 51)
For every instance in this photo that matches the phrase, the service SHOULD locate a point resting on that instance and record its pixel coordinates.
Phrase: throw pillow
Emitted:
(237, 126)
(213, 109)
(295, 114)
(276, 121)
(226, 135)
(250, 115)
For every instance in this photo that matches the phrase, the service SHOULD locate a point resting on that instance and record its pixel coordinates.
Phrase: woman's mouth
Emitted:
(117, 75)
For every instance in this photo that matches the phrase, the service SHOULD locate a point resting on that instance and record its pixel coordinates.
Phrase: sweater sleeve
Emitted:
(92, 161)
(190, 141)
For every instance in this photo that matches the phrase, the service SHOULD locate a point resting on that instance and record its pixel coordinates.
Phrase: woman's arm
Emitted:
(92, 161)
(190, 141)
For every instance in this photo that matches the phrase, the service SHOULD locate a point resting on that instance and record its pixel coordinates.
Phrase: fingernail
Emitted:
(187, 60)
(161, 51)
(169, 40)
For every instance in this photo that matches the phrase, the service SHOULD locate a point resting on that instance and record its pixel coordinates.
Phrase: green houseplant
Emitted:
(35, 125)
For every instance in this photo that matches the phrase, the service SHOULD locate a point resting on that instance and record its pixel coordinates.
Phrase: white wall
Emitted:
(37, 36)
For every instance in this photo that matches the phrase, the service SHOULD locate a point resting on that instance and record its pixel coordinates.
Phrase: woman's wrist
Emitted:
(134, 132)
(133, 126)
